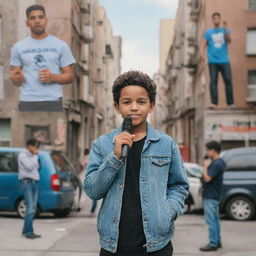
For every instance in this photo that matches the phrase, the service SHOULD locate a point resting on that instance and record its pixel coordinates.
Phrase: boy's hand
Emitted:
(121, 139)
(17, 76)
(207, 163)
(45, 76)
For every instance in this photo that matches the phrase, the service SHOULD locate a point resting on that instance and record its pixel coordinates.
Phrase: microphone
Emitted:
(127, 127)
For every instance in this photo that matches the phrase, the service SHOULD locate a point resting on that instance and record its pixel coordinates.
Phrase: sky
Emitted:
(137, 22)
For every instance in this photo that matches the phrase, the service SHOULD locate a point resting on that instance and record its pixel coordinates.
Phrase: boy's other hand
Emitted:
(45, 76)
(121, 139)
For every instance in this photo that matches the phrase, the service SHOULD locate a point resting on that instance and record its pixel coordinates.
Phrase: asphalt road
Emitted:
(77, 236)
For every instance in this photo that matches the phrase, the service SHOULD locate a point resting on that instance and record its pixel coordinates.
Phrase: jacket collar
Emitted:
(152, 134)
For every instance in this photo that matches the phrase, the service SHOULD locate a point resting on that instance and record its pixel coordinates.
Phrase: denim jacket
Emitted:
(163, 188)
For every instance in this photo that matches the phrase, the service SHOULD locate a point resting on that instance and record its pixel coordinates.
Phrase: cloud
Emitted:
(172, 5)
(137, 57)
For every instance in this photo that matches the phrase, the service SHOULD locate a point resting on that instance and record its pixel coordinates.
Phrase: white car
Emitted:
(194, 200)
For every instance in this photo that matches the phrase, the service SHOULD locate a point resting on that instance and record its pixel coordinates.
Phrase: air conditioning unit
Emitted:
(251, 93)
(85, 53)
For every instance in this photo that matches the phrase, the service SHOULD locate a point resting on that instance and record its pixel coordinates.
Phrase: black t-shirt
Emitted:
(131, 233)
(212, 189)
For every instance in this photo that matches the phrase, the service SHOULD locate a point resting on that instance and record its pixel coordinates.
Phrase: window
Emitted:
(243, 162)
(62, 164)
(41, 133)
(8, 162)
(5, 132)
(108, 50)
(251, 41)
(1, 82)
(252, 77)
(252, 5)
(251, 88)
(1, 32)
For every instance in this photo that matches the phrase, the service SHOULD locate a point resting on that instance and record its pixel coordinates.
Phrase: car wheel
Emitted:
(21, 209)
(240, 208)
(62, 213)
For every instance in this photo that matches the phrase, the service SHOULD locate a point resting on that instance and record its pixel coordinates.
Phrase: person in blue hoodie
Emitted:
(144, 195)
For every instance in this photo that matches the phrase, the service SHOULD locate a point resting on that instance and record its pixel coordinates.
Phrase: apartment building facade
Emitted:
(191, 120)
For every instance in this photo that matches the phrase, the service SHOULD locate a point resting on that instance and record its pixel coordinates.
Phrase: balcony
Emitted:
(84, 91)
(85, 53)
(87, 33)
(85, 6)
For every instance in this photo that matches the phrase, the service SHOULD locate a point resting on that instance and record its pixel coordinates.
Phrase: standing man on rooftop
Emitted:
(216, 40)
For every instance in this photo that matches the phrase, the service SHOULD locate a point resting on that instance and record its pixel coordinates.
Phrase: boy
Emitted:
(29, 177)
(142, 197)
(41, 64)
(213, 177)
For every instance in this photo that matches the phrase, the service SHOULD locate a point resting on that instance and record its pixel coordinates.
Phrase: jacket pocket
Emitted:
(159, 161)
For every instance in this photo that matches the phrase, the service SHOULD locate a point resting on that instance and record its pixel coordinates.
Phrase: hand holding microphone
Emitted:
(124, 140)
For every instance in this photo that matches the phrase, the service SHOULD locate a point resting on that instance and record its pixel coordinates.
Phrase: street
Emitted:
(77, 236)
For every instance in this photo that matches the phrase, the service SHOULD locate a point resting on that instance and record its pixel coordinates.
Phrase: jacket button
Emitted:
(120, 186)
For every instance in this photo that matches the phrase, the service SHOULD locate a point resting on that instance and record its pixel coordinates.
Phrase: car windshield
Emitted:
(61, 162)
(193, 171)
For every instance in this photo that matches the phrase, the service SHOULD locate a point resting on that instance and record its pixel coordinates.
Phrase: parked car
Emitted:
(194, 199)
(239, 183)
(56, 186)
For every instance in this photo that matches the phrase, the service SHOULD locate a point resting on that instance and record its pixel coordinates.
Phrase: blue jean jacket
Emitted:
(163, 188)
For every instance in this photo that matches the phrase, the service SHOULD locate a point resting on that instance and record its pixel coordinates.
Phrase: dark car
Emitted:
(239, 183)
(57, 183)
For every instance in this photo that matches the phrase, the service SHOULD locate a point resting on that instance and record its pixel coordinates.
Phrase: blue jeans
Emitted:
(225, 70)
(30, 193)
(212, 219)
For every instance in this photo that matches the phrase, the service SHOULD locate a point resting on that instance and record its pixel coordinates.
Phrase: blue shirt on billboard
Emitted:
(217, 47)
(33, 55)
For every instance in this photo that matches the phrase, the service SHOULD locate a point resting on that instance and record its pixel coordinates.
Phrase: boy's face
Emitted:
(37, 22)
(33, 149)
(134, 102)
(211, 153)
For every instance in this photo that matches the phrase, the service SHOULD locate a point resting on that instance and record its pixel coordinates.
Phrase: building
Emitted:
(190, 120)
(84, 25)
(159, 115)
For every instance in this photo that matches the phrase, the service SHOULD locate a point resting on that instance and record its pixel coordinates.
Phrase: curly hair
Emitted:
(134, 77)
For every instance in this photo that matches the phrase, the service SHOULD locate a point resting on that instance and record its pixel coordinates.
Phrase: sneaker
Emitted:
(219, 245)
(32, 236)
(209, 248)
